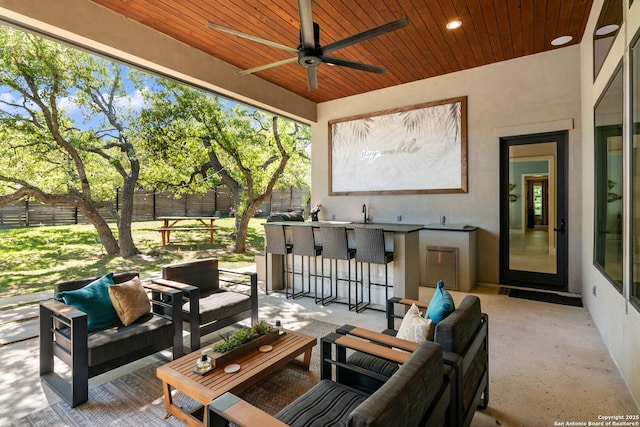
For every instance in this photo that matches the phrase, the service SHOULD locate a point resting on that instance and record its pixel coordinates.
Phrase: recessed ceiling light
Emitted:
(559, 41)
(607, 29)
(454, 24)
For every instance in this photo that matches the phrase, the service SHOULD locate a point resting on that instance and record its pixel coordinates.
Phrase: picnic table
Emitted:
(170, 224)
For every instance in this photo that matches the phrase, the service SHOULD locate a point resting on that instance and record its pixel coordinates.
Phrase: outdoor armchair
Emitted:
(463, 335)
(207, 306)
(417, 394)
(65, 334)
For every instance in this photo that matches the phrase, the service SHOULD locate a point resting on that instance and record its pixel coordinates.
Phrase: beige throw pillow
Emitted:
(130, 300)
(414, 327)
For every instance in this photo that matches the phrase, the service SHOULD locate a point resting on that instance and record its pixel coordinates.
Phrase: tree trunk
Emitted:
(125, 238)
(242, 226)
(241, 232)
(104, 232)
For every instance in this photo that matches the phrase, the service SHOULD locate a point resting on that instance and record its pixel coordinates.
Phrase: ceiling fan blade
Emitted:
(312, 78)
(306, 24)
(352, 64)
(250, 37)
(366, 35)
(267, 66)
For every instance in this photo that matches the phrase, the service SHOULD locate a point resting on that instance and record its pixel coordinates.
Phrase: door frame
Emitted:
(558, 281)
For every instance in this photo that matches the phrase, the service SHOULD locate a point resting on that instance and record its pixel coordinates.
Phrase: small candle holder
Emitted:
(203, 365)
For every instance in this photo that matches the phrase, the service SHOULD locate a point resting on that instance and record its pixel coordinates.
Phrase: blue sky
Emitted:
(133, 101)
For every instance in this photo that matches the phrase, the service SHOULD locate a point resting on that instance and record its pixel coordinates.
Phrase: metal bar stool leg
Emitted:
(335, 247)
(370, 248)
(266, 273)
(276, 244)
(286, 275)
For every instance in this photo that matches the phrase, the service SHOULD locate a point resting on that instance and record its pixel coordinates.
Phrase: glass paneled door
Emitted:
(533, 211)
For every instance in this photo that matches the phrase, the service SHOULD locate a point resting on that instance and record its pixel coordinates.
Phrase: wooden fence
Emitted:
(147, 206)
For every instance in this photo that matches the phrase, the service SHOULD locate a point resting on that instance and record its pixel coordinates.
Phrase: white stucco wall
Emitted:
(616, 319)
(525, 95)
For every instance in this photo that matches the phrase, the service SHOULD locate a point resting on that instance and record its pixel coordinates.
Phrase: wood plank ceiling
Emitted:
(492, 31)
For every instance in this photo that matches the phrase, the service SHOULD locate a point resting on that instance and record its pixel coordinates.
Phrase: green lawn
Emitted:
(34, 258)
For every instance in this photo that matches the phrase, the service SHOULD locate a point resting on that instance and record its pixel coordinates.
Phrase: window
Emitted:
(634, 293)
(608, 181)
(537, 199)
(605, 32)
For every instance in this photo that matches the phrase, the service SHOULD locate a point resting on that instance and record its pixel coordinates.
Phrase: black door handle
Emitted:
(561, 228)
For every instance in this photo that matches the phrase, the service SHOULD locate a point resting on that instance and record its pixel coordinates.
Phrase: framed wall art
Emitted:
(416, 149)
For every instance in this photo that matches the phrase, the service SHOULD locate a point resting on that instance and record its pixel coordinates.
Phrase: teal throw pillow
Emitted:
(441, 304)
(94, 300)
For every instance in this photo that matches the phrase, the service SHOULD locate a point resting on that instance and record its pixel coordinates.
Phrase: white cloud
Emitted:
(8, 97)
(16, 99)
(133, 101)
(67, 104)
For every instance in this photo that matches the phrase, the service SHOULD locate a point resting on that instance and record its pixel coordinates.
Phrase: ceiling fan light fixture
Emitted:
(309, 57)
(559, 41)
(452, 25)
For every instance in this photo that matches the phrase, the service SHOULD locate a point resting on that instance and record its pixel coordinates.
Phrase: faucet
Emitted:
(364, 211)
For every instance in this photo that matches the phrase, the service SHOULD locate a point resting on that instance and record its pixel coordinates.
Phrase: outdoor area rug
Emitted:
(545, 297)
(135, 399)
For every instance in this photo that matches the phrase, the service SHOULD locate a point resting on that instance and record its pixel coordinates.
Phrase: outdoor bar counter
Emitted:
(402, 239)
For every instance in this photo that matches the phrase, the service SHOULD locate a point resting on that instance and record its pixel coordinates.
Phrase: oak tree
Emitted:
(201, 140)
(65, 133)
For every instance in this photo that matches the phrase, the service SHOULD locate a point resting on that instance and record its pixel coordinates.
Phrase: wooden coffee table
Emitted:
(254, 366)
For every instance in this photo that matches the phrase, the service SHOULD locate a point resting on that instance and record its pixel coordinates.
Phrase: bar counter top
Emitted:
(402, 239)
(389, 227)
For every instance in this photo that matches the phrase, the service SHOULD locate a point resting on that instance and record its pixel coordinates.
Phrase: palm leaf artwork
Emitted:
(347, 137)
(438, 121)
(410, 149)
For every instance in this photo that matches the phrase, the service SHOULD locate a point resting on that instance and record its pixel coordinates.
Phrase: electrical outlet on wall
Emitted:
(594, 290)
(399, 218)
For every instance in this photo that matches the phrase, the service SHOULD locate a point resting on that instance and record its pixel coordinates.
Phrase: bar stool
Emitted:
(370, 249)
(304, 244)
(335, 246)
(276, 244)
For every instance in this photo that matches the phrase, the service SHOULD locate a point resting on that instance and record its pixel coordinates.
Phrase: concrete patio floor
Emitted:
(548, 363)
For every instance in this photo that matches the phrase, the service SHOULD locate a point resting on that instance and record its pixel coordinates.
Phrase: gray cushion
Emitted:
(373, 363)
(404, 399)
(327, 403)
(455, 334)
(456, 331)
(202, 273)
(120, 340)
(220, 305)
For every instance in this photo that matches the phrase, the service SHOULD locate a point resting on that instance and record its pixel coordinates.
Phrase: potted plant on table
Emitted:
(244, 340)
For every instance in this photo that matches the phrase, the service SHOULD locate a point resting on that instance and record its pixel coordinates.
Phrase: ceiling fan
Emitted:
(309, 52)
